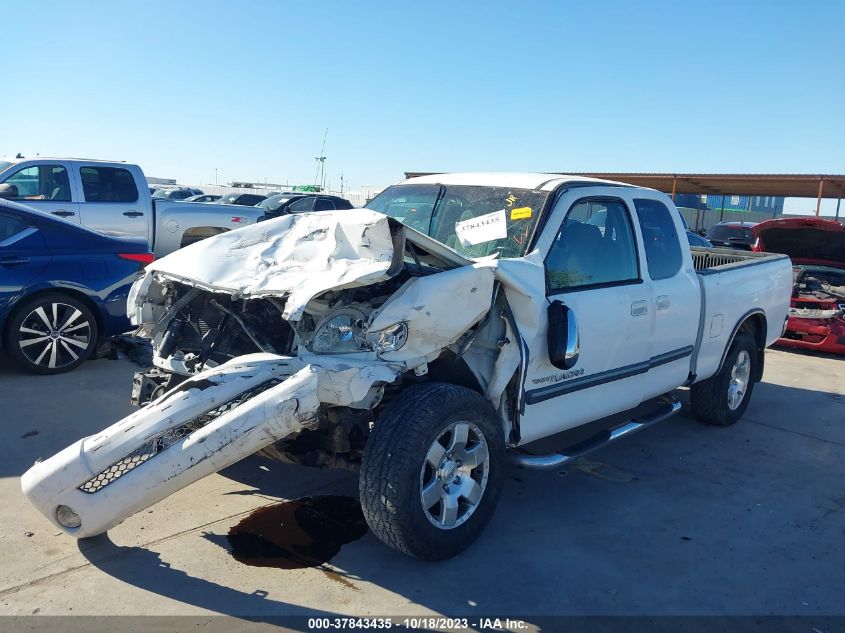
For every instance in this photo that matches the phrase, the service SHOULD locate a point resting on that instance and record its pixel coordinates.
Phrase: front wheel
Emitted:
(723, 398)
(432, 470)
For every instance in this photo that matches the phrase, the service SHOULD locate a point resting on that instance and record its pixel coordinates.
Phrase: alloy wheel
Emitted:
(454, 475)
(54, 335)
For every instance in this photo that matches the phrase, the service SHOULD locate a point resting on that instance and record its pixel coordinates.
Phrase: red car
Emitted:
(817, 249)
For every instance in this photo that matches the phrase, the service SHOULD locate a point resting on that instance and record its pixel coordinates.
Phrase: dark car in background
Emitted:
(205, 197)
(732, 235)
(695, 239)
(243, 199)
(285, 203)
(62, 287)
(180, 193)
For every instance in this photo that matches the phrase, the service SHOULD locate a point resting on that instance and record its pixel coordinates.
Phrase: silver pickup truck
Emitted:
(114, 197)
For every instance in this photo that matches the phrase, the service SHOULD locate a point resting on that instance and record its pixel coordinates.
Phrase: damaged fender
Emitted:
(205, 424)
(437, 309)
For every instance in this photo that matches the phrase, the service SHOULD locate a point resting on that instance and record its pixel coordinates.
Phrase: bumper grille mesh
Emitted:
(168, 438)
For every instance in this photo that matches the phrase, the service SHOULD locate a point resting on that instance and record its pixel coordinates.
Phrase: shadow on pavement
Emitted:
(145, 569)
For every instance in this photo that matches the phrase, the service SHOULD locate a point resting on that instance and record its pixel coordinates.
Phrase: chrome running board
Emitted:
(670, 407)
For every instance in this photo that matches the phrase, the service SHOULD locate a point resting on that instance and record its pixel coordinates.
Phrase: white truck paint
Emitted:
(372, 305)
(72, 188)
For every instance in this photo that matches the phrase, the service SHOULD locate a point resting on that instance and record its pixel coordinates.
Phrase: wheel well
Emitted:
(756, 325)
(454, 370)
(62, 291)
(199, 233)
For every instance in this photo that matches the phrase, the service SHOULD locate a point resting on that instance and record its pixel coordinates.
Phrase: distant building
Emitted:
(759, 204)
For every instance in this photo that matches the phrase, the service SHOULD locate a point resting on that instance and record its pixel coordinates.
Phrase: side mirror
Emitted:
(9, 192)
(564, 343)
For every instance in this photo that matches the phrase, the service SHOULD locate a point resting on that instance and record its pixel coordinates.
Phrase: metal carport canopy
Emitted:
(787, 185)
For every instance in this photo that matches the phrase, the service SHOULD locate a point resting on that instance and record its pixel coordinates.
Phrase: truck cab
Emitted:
(113, 197)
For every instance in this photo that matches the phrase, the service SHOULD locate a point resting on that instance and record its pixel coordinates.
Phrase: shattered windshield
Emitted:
(475, 221)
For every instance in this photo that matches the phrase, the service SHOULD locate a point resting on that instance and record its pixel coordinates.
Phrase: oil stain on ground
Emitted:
(306, 532)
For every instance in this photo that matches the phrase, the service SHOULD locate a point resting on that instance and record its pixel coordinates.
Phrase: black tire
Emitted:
(48, 322)
(395, 467)
(710, 398)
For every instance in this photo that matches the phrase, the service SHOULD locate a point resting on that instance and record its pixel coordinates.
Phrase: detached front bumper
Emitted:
(206, 423)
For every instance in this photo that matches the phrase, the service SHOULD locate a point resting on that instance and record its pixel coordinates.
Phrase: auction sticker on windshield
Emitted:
(484, 228)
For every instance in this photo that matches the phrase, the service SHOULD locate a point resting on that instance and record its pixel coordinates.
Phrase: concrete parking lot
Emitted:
(680, 519)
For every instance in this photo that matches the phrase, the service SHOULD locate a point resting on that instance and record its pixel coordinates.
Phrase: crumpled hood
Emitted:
(299, 255)
(805, 240)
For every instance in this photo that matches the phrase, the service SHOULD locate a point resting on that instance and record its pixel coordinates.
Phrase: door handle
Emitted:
(63, 214)
(132, 214)
(663, 302)
(638, 308)
(13, 261)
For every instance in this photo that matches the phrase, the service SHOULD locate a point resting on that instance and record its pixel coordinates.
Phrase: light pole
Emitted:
(215, 175)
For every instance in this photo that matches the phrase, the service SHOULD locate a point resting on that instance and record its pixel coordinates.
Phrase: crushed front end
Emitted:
(282, 337)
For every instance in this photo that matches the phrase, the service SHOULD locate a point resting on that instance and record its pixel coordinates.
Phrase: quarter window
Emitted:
(10, 226)
(303, 204)
(660, 239)
(595, 245)
(323, 204)
(41, 182)
(108, 184)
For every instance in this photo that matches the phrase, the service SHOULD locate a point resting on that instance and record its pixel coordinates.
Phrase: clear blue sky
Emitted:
(184, 87)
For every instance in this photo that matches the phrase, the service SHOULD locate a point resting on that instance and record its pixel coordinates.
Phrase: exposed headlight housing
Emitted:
(389, 339)
(345, 332)
(341, 332)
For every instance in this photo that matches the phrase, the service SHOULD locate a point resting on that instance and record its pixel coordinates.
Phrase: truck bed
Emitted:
(735, 284)
(713, 260)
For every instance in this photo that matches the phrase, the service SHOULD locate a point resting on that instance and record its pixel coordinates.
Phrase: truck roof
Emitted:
(520, 180)
(64, 158)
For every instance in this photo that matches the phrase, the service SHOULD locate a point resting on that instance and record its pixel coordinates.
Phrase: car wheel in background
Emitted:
(51, 333)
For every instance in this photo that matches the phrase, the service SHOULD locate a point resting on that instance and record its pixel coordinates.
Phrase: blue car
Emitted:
(62, 287)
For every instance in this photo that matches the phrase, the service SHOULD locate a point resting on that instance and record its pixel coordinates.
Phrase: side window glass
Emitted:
(9, 226)
(303, 204)
(595, 245)
(41, 182)
(108, 184)
(323, 204)
(660, 239)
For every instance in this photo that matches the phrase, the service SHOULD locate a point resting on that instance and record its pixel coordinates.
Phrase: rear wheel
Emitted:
(723, 398)
(51, 333)
(432, 470)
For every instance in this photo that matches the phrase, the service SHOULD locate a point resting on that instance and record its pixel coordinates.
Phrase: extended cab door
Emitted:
(46, 187)
(592, 265)
(675, 291)
(111, 200)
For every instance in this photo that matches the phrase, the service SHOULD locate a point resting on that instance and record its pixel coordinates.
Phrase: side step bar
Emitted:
(670, 407)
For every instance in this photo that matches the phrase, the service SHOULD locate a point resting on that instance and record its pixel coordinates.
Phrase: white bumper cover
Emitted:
(205, 424)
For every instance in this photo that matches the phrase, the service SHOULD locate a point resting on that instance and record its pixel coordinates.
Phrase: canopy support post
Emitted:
(819, 199)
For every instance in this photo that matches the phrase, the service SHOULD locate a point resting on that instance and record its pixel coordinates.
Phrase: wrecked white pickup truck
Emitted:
(459, 319)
